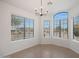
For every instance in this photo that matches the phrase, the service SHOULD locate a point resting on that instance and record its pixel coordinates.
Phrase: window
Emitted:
(76, 28)
(17, 31)
(60, 25)
(22, 28)
(29, 28)
(46, 28)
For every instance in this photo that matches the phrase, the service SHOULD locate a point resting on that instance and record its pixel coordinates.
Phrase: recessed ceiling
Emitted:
(30, 5)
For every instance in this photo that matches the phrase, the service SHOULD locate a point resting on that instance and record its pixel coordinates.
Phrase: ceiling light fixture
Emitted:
(41, 13)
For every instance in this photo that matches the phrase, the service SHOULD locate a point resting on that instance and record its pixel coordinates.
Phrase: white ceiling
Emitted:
(30, 5)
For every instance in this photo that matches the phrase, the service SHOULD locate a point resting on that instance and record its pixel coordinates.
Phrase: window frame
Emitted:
(44, 28)
(24, 34)
(60, 25)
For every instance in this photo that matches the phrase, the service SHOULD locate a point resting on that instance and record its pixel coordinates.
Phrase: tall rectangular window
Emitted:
(56, 28)
(76, 28)
(46, 28)
(27, 23)
(64, 28)
(22, 28)
(29, 28)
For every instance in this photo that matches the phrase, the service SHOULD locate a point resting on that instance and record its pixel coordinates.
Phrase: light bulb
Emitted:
(46, 12)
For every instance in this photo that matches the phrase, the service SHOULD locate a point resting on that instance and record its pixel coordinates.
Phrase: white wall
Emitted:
(6, 45)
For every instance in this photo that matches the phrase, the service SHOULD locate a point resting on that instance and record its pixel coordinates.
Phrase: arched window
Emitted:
(60, 24)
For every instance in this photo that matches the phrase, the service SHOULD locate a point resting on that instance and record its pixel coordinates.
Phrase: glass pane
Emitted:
(76, 28)
(56, 28)
(64, 31)
(17, 31)
(31, 28)
(27, 28)
(46, 28)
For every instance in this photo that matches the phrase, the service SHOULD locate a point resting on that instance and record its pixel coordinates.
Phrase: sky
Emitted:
(61, 16)
(29, 23)
(46, 24)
